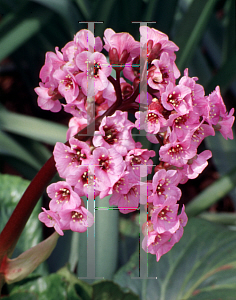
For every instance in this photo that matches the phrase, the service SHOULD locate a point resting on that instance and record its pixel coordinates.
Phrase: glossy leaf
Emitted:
(204, 261)
(35, 128)
(10, 147)
(191, 30)
(223, 153)
(64, 285)
(17, 28)
(212, 194)
(11, 190)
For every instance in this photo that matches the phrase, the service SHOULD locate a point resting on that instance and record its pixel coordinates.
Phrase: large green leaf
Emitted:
(200, 265)
(64, 285)
(212, 194)
(18, 27)
(11, 190)
(37, 129)
(10, 147)
(191, 29)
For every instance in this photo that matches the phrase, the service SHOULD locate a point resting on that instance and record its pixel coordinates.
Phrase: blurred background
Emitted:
(205, 32)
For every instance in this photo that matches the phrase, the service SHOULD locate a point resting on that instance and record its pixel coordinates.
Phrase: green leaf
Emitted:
(204, 259)
(191, 29)
(224, 76)
(11, 190)
(65, 9)
(64, 285)
(9, 146)
(37, 129)
(16, 28)
(221, 218)
(212, 194)
(223, 155)
(108, 290)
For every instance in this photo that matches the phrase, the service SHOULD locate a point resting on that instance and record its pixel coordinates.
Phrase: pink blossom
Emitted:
(182, 124)
(225, 125)
(77, 219)
(175, 98)
(164, 185)
(94, 66)
(53, 62)
(84, 181)
(69, 158)
(200, 132)
(121, 46)
(164, 216)
(75, 125)
(183, 219)
(139, 157)
(82, 39)
(63, 196)
(108, 165)
(48, 97)
(115, 132)
(126, 195)
(67, 85)
(162, 72)
(177, 153)
(197, 164)
(51, 219)
(157, 243)
(157, 42)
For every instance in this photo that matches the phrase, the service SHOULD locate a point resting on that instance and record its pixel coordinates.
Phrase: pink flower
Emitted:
(77, 219)
(183, 219)
(51, 219)
(63, 196)
(177, 153)
(53, 62)
(75, 125)
(162, 72)
(67, 85)
(69, 158)
(108, 166)
(175, 98)
(94, 66)
(225, 125)
(139, 157)
(121, 46)
(115, 132)
(164, 216)
(157, 243)
(157, 42)
(84, 181)
(82, 39)
(200, 132)
(126, 195)
(197, 164)
(48, 97)
(183, 124)
(164, 186)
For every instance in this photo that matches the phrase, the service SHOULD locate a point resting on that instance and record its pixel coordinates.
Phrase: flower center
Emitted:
(160, 189)
(76, 216)
(63, 195)
(174, 99)
(136, 160)
(110, 135)
(152, 117)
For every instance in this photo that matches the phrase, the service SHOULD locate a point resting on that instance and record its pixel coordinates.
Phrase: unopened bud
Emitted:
(154, 54)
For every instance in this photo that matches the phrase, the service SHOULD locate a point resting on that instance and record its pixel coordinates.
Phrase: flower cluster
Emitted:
(178, 117)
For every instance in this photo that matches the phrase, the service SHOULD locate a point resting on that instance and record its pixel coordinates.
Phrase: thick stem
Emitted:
(16, 223)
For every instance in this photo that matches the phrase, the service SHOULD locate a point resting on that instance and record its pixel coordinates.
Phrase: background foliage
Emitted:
(205, 34)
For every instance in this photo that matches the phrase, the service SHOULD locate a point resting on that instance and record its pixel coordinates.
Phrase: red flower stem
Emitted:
(16, 223)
